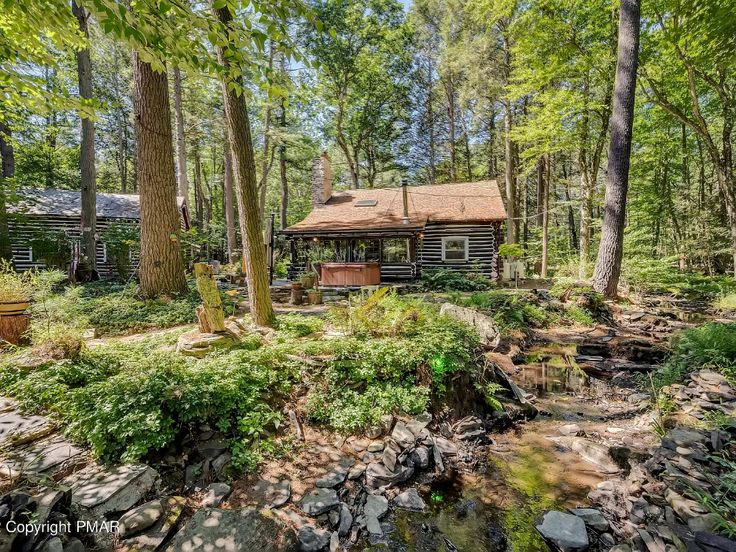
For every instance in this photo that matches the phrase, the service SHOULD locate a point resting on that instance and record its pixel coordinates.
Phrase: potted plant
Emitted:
(308, 280)
(314, 296)
(15, 290)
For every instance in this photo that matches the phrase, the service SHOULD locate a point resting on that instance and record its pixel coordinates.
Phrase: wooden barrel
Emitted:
(14, 329)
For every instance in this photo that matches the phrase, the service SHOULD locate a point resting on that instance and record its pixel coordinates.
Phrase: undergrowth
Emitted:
(452, 280)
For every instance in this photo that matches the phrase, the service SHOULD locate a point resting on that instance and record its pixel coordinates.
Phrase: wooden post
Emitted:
(210, 314)
(14, 329)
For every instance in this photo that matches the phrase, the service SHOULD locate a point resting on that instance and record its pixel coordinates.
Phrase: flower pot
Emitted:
(308, 281)
(315, 297)
(10, 308)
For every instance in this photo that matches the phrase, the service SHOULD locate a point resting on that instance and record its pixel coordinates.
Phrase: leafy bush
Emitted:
(13, 285)
(712, 345)
(452, 280)
(653, 276)
(510, 310)
(299, 326)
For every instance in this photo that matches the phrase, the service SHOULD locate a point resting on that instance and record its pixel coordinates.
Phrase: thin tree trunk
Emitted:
(228, 200)
(88, 245)
(545, 181)
(282, 171)
(450, 93)
(181, 147)
(8, 171)
(161, 264)
(199, 199)
(510, 175)
(610, 253)
(244, 170)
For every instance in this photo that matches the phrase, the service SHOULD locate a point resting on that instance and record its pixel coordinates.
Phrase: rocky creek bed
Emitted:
(587, 473)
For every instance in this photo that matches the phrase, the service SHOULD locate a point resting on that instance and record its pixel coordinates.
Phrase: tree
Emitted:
(181, 151)
(610, 251)
(8, 170)
(244, 172)
(88, 245)
(161, 269)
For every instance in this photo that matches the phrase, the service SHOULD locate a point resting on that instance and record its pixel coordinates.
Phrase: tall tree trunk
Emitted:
(282, 170)
(510, 175)
(88, 245)
(181, 146)
(450, 93)
(431, 124)
(161, 264)
(228, 201)
(610, 253)
(545, 182)
(244, 170)
(8, 171)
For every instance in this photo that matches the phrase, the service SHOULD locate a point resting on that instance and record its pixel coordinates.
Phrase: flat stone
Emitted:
(373, 525)
(375, 505)
(153, 537)
(346, 520)
(334, 542)
(336, 476)
(215, 494)
(410, 500)
(233, 531)
(418, 423)
(40, 456)
(47, 500)
(319, 501)
(592, 518)
(376, 446)
(54, 544)
(683, 507)
(683, 437)
(312, 539)
(17, 429)
(140, 518)
(390, 454)
(199, 345)
(356, 471)
(402, 436)
(566, 531)
(273, 495)
(707, 523)
(592, 452)
(569, 429)
(446, 447)
(108, 490)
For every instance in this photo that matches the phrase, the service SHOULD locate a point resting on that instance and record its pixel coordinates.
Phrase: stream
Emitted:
(525, 473)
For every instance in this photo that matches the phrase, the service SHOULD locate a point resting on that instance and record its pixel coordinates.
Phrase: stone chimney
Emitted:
(321, 180)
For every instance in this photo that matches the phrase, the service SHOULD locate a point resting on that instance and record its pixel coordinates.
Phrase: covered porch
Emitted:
(355, 258)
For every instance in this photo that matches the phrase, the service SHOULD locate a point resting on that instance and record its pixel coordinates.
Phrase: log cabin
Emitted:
(49, 211)
(383, 234)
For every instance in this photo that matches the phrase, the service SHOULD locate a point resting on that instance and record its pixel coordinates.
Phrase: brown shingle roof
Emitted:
(465, 202)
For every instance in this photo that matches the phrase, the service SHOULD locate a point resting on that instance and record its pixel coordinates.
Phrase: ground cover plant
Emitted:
(128, 399)
(452, 280)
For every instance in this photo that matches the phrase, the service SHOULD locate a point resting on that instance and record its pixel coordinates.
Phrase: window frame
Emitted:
(446, 239)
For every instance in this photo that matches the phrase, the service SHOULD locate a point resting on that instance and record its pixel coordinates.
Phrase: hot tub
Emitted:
(350, 274)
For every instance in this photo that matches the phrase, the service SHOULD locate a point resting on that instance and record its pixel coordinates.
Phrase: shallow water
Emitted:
(527, 473)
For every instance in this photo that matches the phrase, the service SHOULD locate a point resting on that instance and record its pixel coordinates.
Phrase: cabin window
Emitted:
(455, 248)
(395, 250)
(23, 254)
(101, 252)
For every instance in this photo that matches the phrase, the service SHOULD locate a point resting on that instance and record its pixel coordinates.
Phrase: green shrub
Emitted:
(452, 280)
(712, 345)
(652, 276)
(298, 325)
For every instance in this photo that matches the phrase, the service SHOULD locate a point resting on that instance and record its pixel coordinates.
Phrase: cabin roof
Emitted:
(67, 203)
(382, 208)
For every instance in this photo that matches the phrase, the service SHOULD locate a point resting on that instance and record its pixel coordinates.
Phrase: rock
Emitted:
(592, 518)
(312, 539)
(334, 542)
(390, 454)
(566, 531)
(54, 544)
(410, 500)
(378, 475)
(420, 457)
(356, 471)
(373, 526)
(273, 495)
(620, 548)
(40, 457)
(375, 505)
(418, 423)
(221, 463)
(336, 476)
(445, 447)
(199, 345)
(683, 437)
(233, 530)
(152, 538)
(74, 545)
(319, 501)
(108, 490)
(402, 436)
(469, 428)
(346, 520)
(140, 518)
(215, 494)
(17, 429)
(47, 500)
(484, 325)
(570, 429)
(374, 432)
(375, 446)
(683, 507)
(706, 523)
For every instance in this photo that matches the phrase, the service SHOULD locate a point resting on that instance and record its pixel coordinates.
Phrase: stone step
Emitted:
(45, 456)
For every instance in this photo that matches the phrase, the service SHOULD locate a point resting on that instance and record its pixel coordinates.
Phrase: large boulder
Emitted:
(484, 325)
(234, 530)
